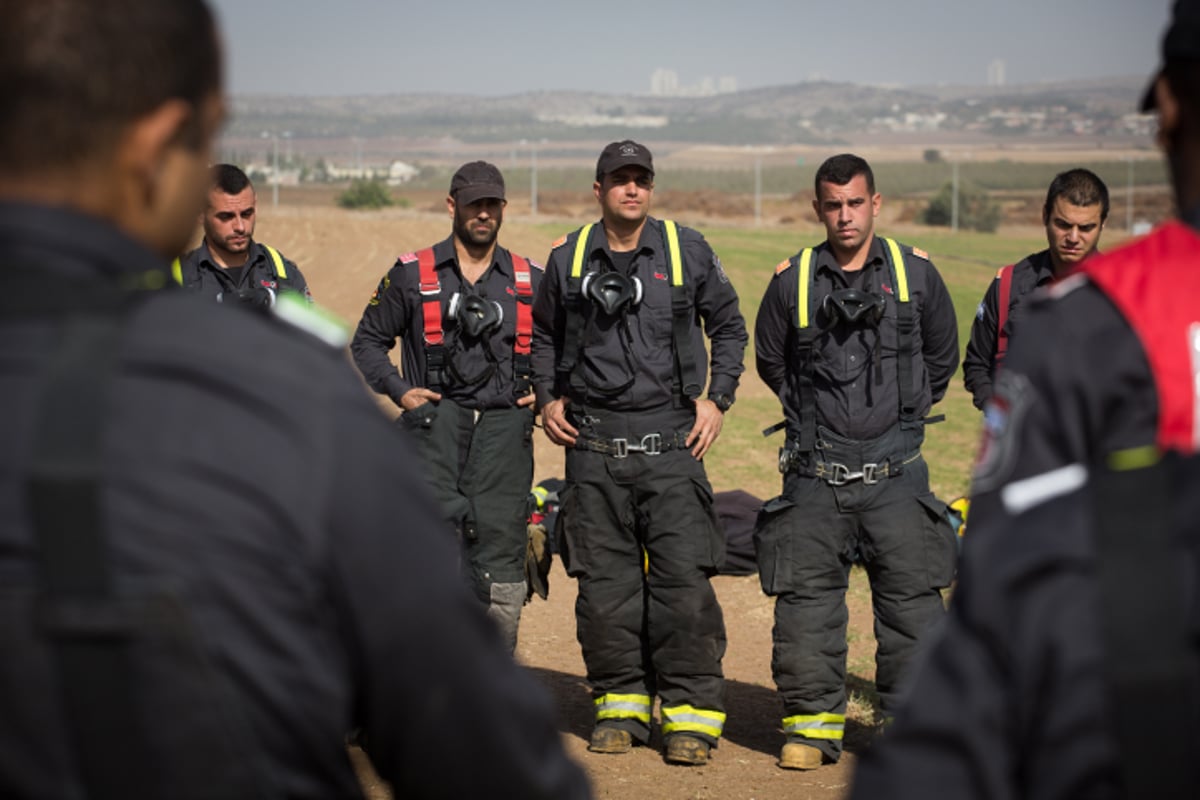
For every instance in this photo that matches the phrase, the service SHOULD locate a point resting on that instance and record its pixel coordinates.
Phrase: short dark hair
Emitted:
(75, 73)
(227, 178)
(841, 169)
(1079, 187)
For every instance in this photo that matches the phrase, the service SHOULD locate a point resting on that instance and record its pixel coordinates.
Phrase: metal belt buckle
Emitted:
(871, 473)
(620, 448)
(836, 474)
(651, 444)
(785, 460)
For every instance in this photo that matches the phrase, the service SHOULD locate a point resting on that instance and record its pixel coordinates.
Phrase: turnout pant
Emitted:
(480, 468)
(639, 533)
(807, 539)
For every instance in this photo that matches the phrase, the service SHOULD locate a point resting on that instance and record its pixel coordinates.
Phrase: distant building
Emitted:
(664, 82)
(995, 73)
(399, 173)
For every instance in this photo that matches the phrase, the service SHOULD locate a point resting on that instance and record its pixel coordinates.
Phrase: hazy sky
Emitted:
(496, 48)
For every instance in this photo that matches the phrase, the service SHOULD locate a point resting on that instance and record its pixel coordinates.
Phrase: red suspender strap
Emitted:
(524, 287)
(431, 293)
(1005, 276)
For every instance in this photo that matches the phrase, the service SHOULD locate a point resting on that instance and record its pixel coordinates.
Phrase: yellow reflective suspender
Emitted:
(280, 269)
(901, 272)
(673, 251)
(580, 250)
(278, 259)
(802, 288)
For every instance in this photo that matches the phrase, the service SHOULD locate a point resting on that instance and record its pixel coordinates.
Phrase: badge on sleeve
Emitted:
(1002, 419)
(384, 283)
(720, 269)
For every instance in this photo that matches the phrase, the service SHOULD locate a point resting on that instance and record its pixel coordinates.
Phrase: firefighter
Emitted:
(1069, 664)
(619, 366)
(206, 584)
(1073, 215)
(858, 338)
(229, 264)
(461, 309)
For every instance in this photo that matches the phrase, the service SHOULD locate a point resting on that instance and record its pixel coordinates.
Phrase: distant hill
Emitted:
(812, 112)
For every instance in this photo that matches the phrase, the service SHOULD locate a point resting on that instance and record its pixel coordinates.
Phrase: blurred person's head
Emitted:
(110, 108)
(1175, 95)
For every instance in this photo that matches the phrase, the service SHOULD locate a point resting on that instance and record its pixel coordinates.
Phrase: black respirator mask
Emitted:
(612, 291)
(855, 307)
(476, 316)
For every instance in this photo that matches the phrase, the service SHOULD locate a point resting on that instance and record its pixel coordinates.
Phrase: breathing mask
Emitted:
(855, 307)
(475, 315)
(612, 291)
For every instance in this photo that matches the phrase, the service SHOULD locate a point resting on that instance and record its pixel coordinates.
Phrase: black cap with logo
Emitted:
(1181, 41)
(475, 181)
(623, 154)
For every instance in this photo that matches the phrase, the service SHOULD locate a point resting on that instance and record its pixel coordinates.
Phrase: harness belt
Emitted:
(652, 444)
(836, 473)
(430, 287)
(581, 314)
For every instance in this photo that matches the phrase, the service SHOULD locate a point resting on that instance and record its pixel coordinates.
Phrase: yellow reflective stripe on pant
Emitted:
(623, 706)
(689, 719)
(815, 726)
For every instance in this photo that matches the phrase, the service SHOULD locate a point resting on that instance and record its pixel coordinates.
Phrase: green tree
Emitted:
(365, 194)
(977, 211)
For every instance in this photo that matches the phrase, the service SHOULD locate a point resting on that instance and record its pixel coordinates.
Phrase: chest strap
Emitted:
(803, 366)
(685, 376)
(430, 288)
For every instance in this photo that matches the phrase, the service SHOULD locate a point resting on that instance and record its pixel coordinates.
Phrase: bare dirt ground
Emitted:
(343, 255)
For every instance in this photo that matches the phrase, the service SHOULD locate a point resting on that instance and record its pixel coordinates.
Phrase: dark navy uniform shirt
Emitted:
(277, 505)
(610, 356)
(395, 312)
(851, 400)
(201, 273)
(979, 362)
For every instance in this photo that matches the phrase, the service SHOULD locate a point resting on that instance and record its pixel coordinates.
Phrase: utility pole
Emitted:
(533, 180)
(954, 198)
(1129, 195)
(275, 171)
(757, 190)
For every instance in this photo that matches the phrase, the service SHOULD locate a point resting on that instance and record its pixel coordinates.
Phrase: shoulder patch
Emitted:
(537, 266)
(311, 319)
(919, 253)
(407, 258)
(560, 241)
(782, 266)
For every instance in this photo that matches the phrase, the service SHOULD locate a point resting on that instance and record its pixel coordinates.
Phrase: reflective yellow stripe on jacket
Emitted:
(689, 719)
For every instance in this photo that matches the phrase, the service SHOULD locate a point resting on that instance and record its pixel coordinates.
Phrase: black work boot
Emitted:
(684, 749)
(608, 739)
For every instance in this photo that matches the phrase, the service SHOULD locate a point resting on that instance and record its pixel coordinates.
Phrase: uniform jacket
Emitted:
(603, 358)
(849, 399)
(201, 273)
(263, 496)
(395, 312)
(1077, 385)
(979, 363)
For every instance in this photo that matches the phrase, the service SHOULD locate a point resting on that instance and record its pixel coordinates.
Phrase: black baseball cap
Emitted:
(623, 154)
(477, 180)
(1181, 41)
